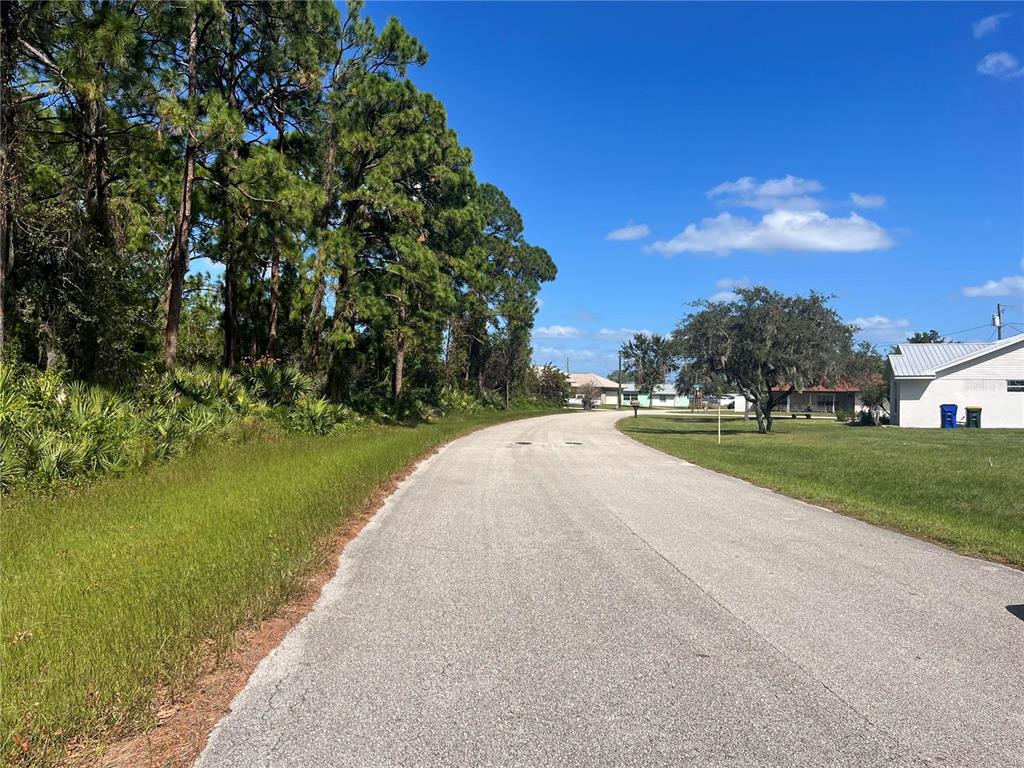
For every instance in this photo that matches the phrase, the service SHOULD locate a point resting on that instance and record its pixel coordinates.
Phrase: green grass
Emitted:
(961, 488)
(115, 590)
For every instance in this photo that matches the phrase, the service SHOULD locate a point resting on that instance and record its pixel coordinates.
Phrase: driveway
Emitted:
(549, 592)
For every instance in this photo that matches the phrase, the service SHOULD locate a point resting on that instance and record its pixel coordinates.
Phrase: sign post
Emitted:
(618, 379)
(719, 421)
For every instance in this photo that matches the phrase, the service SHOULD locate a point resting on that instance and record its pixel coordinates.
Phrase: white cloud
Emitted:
(778, 231)
(1011, 285)
(619, 334)
(726, 288)
(558, 332)
(593, 360)
(881, 329)
(629, 232)
(989, 24)
(789, 192)
(867, 201)
(723, 296)
(1001, 65)
(558, 355)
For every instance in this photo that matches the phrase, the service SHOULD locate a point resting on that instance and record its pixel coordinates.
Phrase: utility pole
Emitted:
(997, 321)
(618, 376)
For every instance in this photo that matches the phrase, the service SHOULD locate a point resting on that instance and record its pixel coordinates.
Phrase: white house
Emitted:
(608, 389)
(664, 394)
(923, 377)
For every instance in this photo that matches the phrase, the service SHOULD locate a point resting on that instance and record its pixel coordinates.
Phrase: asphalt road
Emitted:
(549, 592)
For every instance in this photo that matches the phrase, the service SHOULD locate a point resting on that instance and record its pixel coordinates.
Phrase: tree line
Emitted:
(285, 144)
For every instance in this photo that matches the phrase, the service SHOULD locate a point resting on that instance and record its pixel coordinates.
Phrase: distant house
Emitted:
(664, 394)
(824, 399)
(608, 390)
(923, 377)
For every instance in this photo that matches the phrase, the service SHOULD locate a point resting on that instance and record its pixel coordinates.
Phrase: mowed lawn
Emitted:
(962, 488)
(115, 590)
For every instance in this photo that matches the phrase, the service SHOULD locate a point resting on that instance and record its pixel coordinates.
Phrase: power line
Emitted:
(965, 330)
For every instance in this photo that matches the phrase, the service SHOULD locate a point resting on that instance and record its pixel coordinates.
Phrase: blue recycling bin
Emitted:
(948, 411)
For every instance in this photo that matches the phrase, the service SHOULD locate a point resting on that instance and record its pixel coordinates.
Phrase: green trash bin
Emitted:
(974, 416)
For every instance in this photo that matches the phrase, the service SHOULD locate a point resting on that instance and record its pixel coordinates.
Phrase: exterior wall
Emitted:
(611, 397)
(607, 397)
(1009, 365)
(919, 401)
(980, 382)
(660, 401)
(804, 401)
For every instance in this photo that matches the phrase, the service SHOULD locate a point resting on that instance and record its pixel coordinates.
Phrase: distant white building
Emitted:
(664, 394)
(923, 377)
(606, 389)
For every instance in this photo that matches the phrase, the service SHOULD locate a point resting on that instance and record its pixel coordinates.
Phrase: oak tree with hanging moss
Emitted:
(765, 345)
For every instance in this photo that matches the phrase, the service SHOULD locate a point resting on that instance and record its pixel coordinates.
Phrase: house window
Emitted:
(827, 401)
(1015, 385)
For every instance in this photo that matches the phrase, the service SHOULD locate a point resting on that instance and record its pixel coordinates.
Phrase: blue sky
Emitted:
(873, 151)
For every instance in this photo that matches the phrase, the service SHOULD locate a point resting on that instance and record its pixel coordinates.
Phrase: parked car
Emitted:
(726, 401)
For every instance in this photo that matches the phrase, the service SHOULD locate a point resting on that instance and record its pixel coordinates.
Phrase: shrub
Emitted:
(274, 383)
(415, 405)
(459, 400)
(491, 399)
(53, 430)
(317, 416)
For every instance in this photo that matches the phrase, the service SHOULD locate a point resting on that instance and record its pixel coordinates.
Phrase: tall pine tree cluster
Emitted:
(281, 141)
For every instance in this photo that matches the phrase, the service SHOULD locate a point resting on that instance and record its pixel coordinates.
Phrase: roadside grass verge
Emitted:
(962, 488)
(115, 591)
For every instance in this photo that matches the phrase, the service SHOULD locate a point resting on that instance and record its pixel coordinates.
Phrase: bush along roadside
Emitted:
(53, 429)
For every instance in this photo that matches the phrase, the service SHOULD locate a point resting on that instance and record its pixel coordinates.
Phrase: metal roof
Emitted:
(591, 379)
(923, 359)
